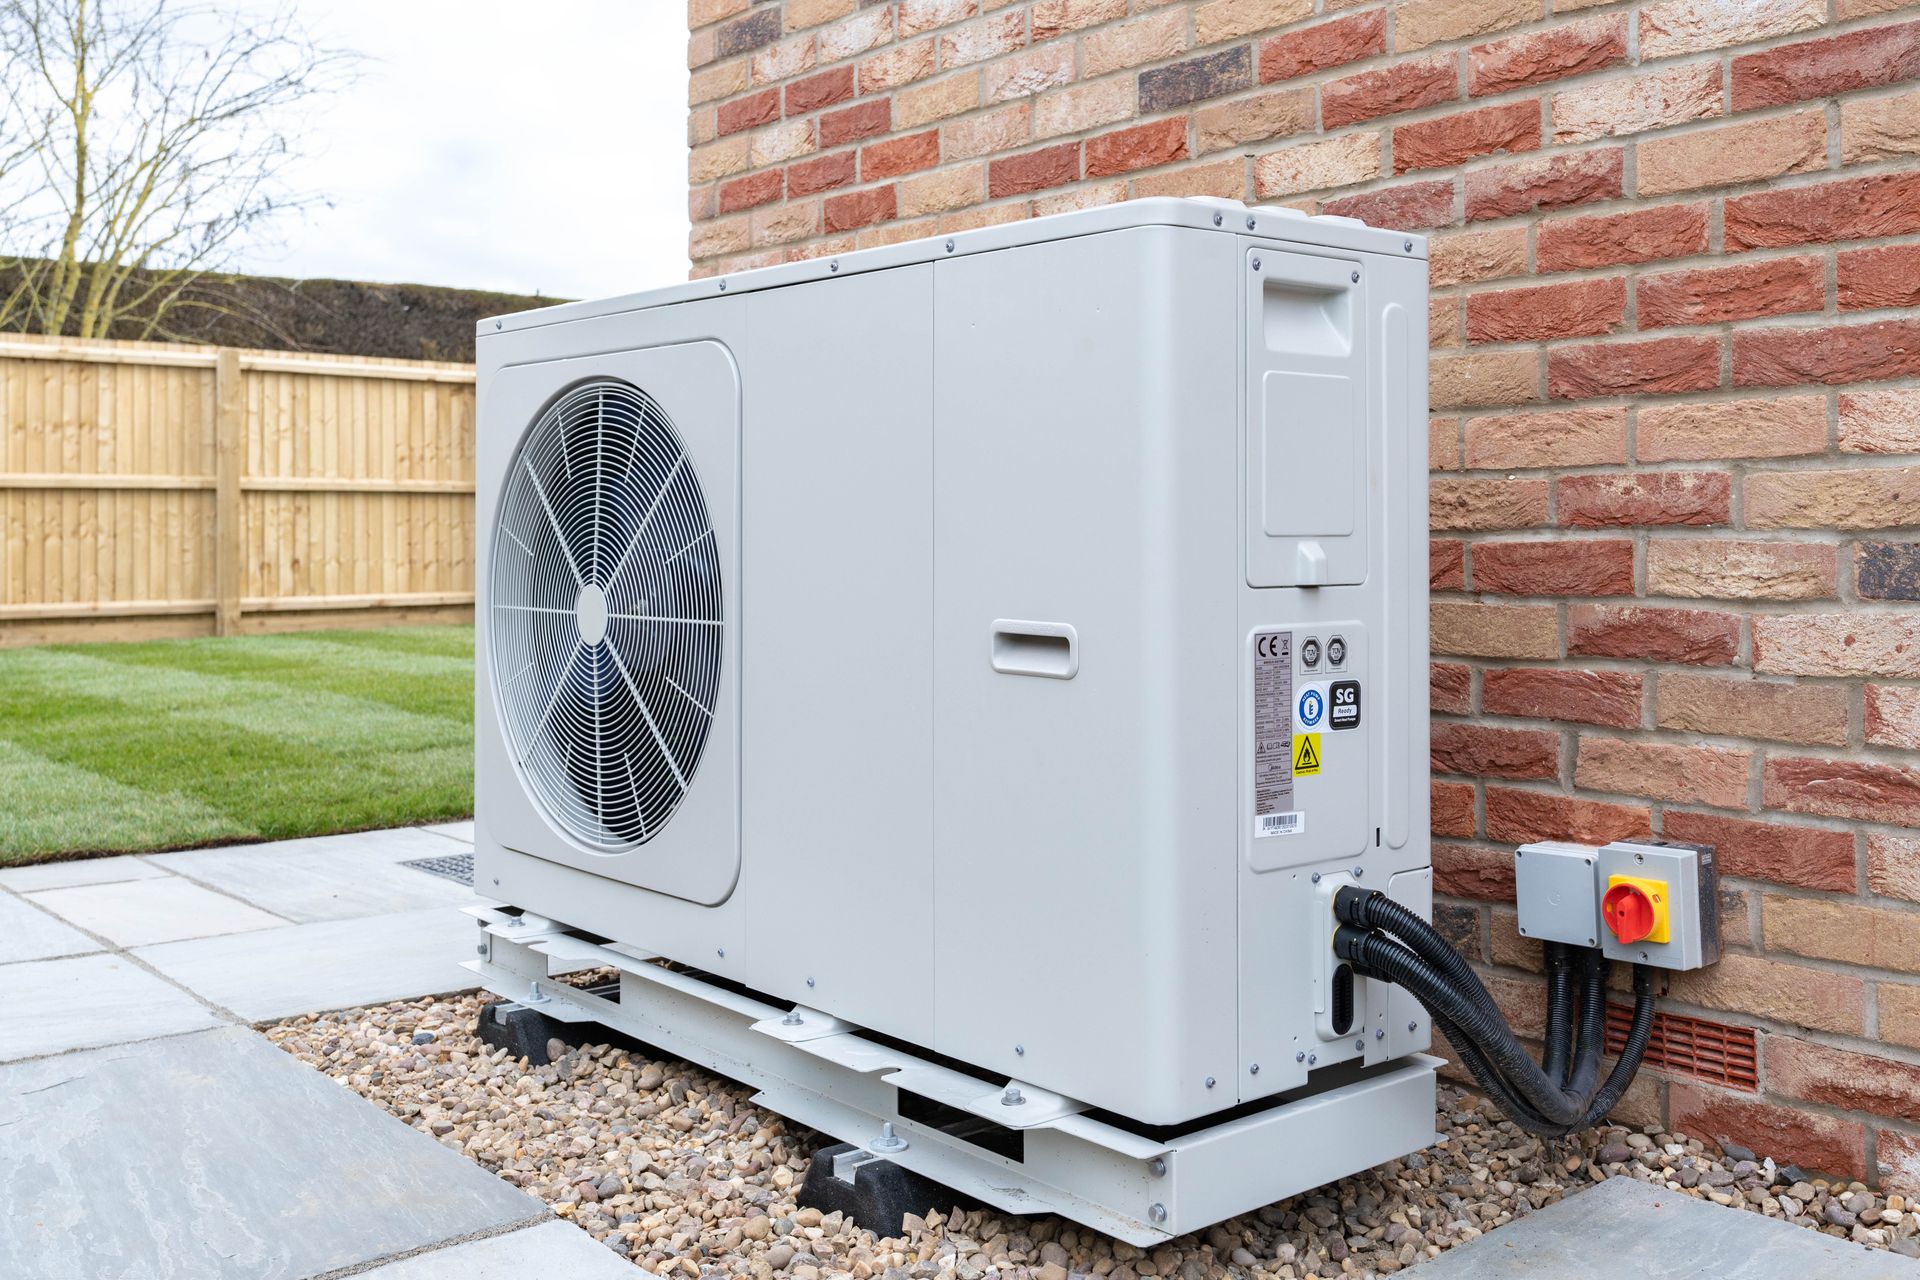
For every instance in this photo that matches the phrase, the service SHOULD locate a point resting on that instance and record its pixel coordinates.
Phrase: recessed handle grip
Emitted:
(1049, 649)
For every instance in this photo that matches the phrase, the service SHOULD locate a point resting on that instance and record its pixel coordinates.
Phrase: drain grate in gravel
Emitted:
(674, 1169)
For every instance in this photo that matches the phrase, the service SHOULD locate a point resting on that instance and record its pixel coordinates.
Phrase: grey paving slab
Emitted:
(304, 968)
(551, 1249)
(217, 1155)
(28, 933)
(454, 830)
(132, 913)
(329, 878)
(1625, 1227)
(55, 1005)
(58, 875)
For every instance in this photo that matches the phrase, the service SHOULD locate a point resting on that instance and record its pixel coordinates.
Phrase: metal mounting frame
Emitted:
(828, 1075)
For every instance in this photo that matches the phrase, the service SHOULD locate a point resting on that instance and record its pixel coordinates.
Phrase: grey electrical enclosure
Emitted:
(999, 646)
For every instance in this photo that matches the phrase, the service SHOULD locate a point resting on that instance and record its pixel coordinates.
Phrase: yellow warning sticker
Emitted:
(1306, 754)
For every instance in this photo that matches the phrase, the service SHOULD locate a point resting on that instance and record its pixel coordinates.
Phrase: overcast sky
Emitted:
(518, 145)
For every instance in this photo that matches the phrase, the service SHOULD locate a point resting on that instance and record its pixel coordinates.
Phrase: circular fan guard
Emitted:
(606, 614)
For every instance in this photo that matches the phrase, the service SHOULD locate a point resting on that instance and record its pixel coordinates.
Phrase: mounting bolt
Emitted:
(1158, 1212)
(888, 1140)
(1380, 1033)
(516, 922)
(1408, 246)
(1413, 1026)
(1358, 872)
(723, 286)
(1019, 1051)
(809, 981)
(496, 325)
(949, 246)
(793, 1019)
(1217, 219)
(1256, 264)
(721, 952)
(534, 994)
(834, 265)
(1316, 877)
(1312, 1058)
(1361, 1044)
(1254, 1070)
(1209, 1082)
(1356, 277)
(1158, 1165)
(1013, 1097)
(496, 879)
(1249, 224)
(481, 949)
(1300, 1055)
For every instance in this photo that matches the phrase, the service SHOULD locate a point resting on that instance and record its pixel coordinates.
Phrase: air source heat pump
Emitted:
(951, 681)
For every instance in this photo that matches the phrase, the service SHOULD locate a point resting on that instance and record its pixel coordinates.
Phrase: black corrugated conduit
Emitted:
(1558, 1095)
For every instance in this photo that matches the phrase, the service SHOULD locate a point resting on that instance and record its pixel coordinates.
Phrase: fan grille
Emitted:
(606, 621)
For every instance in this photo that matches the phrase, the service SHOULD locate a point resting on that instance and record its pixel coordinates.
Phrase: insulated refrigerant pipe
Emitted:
(1386, 940)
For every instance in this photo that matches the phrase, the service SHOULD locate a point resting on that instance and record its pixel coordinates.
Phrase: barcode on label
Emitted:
(1282, 824)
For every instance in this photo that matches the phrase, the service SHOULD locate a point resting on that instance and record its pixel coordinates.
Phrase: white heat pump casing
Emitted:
(1070, 443)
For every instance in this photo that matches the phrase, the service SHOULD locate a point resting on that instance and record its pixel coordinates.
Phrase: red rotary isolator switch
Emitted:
(1635, 910)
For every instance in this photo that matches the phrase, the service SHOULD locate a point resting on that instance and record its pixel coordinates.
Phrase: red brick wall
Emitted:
(1676, 392)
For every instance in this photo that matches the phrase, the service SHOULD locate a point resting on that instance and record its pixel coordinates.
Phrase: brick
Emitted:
(754, 189)
(1804, 857)
(749, 112)
(1893, 866)
(1452, 809)
(1471, 256)
(810, 177)
(936, 100)
(1873, 498)
(1900, 1014)
(860, 209)
(1586, 567)
(1081, 107)
(1788, 427)
(1635, 104)
(954, 188)
(719, 159)
(1510, 948)
(1640, 235)
(1893, 716)
(1419, 23)
(1406, 85)
(1476, 379)
(901, 64)
(1783, 991)
(1688, 775)
(868, 29)
(748, 32)
(1443, 444)
(1898, 1155)
(1482, 752)
(1144, 146)
(1053, 18)
(990, 216)
(1860, 790)
(1879, 128)
(1845, 931)
(1473, 871)
(702, 13)
(1220, 20)
(1223, 178)
(1880, 422)
(1025, 74)
(1212, 75)
(992, 37)
(1733, 154)
(801, 14)
(1652, 367)
(912, 17)
(1726, 569)
(1743, 708)
(1887, 277)
(1652, 635)
(785, 60)
(710, 239)
(1569, 50)
(817, 91)
(1086, 196)
(1743, 291)
(1828, 66)
(1818, 1142)
(1486, 504)
(1545, 182)
(1838, 644)
(722, 81)
(1317, 166)
(1450, 688)
(895, 156)
(1459, 924)
(786, 223)
(1407, 207)
(1566, 438)
(1644, 499)
(1149, 39)
(1000, 130)
(1033, 171)
(1278, 113)
(1552, 693)
(1521, 817)
(1884, 204)
(1455, 139)
(862, 120)
(1324, 45)
(1446, 564)
(1674, 27)
(1887, 570)
(1443, 311)
(1476, 630)
(778, 143)
(1582, 308)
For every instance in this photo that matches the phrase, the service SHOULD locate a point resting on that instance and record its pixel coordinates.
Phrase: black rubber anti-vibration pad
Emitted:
(880, 1196)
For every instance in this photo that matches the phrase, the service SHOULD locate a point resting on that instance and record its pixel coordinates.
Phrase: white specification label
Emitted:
(1273, 811)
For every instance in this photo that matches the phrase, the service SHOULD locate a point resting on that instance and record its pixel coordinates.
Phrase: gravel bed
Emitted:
(673, 1168)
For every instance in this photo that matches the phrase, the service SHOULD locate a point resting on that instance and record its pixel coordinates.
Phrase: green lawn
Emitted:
(108, 747)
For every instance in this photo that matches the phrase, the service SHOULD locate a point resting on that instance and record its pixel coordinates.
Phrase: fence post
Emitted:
(229, 443)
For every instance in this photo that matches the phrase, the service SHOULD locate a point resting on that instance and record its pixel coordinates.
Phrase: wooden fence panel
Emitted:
(152, 489)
